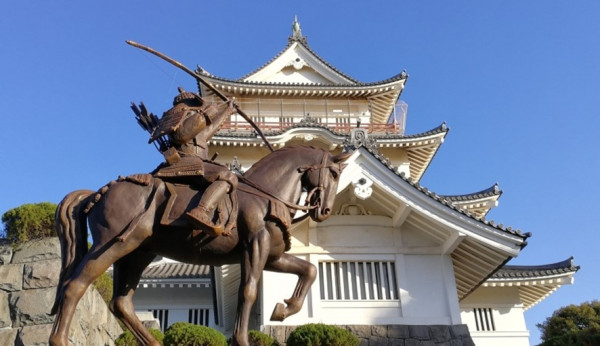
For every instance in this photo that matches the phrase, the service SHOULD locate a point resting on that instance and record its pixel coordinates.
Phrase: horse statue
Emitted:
(127, 223)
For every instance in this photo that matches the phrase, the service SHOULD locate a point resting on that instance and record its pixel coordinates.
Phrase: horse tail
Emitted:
(71, 227)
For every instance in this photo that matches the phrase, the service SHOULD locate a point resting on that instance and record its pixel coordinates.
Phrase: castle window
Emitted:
(162, 315)
(198, 316)
(484, 319)
(349, 280)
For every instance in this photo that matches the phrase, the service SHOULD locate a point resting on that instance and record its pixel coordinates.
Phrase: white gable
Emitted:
(297, 65)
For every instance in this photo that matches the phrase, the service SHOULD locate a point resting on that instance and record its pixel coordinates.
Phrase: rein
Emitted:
(261, 191)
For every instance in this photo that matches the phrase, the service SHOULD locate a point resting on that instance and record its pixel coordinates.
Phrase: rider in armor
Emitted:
(189, 125)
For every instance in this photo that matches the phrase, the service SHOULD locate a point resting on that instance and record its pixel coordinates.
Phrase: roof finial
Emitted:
(297, 32)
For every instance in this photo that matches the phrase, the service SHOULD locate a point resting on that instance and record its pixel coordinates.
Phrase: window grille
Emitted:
(346, 280)
(484, 319)
(199, 316)
(162, 315)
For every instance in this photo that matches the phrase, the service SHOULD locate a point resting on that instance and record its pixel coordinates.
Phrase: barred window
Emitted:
(484, 319)
(199, 316)
(162, 315)
(347, 280)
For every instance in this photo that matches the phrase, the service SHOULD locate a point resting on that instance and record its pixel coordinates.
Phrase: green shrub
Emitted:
(104, 285)
(321, 335)
(257, 338)
(127, 338)
(28, 222)
(187, 334)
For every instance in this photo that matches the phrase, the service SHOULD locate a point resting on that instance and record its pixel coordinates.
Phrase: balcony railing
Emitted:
(337, 115)
(284, 124)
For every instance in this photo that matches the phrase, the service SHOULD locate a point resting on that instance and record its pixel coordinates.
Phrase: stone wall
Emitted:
(394, 335)
(28, 279)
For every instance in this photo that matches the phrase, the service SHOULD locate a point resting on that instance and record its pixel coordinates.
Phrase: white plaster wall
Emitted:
(425, 294)
(426, 286)
(507, 312)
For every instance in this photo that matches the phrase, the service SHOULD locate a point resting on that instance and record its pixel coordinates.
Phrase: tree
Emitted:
(28, 222)
(572, 325)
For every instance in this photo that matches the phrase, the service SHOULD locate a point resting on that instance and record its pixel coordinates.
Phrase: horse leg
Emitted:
(93, 264)
(307, 273)
(126, 275)
(255, 257)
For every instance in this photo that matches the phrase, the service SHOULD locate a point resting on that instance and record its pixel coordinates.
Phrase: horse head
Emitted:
(320, 181)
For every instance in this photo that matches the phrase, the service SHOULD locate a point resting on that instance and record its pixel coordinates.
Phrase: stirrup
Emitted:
(199, 218)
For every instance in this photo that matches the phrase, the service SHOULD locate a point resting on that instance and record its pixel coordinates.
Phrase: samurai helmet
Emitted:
(186, 96)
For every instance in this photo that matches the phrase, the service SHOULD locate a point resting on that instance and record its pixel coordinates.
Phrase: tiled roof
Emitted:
(533, 272)
(304, 43)
(489, 192)
(398, 77)
(443, 200)
(303, 125)
(176, 271)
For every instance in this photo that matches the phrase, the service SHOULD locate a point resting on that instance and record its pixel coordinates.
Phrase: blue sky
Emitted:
(516, 82)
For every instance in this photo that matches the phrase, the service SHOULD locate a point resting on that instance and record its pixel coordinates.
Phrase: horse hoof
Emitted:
(278, 313)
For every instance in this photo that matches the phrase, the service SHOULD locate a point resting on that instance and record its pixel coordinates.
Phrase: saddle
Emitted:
(183, 197)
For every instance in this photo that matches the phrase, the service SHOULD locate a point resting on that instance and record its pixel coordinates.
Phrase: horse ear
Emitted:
(341, 157)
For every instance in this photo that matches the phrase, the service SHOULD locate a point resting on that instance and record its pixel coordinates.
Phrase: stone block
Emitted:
(37, 250)
(8, 336)
(378, 341)
(460, 331)
(360, 331)
(6, 252)
(398, 331)
(5, 320)
(34, 335)
(101, 324)
(379, 330)
(32, 306)
(412, 342)
(439, 333)
(12, 277)
(278, 333)
(419, 332)
(41, 274)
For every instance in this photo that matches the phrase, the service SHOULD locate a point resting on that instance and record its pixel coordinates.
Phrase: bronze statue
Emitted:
(141, 207)
(136, 218)
(183, 133)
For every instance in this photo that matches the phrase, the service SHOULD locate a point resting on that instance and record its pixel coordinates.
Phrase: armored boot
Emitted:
(202, 215)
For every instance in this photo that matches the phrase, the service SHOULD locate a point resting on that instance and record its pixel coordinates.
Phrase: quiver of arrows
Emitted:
(149, 122)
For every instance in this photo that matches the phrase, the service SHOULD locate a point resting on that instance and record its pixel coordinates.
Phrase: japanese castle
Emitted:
(394, 256)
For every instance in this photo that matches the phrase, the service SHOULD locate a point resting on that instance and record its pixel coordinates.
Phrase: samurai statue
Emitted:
(182, 134)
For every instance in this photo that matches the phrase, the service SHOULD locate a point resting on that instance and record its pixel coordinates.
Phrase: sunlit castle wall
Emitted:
(370, 273)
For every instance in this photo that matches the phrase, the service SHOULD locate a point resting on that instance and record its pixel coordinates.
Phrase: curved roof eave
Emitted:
(458, 215)
(533, 272)
(478, 247)
(372, 88)
(534, 283)
(410, 142)
(477, 203)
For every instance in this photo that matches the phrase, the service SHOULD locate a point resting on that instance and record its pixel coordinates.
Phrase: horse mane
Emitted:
(277, 153)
